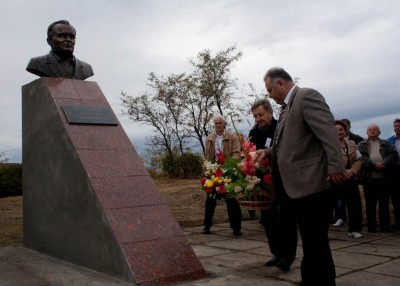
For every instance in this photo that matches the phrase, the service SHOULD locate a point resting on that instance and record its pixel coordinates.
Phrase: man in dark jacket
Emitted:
(380, 156)
(262, 135)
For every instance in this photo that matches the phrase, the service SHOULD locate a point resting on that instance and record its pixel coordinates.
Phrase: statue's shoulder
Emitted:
(85, 68)
(40, 59)
(40, 65)
(82, 63)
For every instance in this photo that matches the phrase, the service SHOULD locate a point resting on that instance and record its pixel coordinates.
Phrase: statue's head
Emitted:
(61, 38)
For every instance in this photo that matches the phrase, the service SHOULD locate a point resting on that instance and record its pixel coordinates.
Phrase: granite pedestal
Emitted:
(88, 199)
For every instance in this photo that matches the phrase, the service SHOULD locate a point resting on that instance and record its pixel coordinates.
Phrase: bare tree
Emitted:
(3, 158)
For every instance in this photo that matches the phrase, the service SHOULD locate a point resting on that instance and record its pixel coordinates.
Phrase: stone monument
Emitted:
(88, 199)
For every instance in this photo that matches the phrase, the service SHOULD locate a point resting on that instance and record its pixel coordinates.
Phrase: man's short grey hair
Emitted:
(277, 73)
(262, 102)
(374, 125)
(218, 116)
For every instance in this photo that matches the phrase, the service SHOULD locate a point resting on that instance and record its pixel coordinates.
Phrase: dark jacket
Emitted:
(388, 152)
(47, 66)
(356, 138)
(259, 136)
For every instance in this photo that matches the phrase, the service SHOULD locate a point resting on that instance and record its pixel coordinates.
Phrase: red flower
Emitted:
(220, 158)
(208, 190)
(218, 173)
(203, 181)
(221, 189)
(268, 179)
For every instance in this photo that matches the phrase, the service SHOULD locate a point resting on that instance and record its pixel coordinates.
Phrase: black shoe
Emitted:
(272, 262)
(253, 217)
(206, 230)
(283, 264)
(237, 233)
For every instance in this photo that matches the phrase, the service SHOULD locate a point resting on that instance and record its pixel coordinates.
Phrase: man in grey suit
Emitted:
(60, 62)
(306, 160)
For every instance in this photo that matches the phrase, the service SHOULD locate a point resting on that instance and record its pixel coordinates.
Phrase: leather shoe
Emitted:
(206, 230)
(283, 264)
(237, 233)
(272, 262)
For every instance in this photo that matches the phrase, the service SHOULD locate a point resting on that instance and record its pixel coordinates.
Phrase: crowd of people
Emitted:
(318, 165)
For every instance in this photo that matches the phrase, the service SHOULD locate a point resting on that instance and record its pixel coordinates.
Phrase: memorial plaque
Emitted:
(89, 115)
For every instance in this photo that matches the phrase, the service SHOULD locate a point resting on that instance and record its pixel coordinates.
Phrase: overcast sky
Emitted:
(348, 50)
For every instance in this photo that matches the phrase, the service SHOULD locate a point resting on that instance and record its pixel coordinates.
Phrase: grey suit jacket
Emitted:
(47, 66)
(306, 145)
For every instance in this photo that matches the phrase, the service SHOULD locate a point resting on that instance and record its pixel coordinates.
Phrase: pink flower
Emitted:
(248, 166)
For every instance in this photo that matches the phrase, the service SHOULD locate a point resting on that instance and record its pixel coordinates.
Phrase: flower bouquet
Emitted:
(214, 182)
(248, 181)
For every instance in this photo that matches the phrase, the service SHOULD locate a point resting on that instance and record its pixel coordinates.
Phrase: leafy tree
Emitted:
(180, 107)
(212, 75)
(213, 92)
(162, 110)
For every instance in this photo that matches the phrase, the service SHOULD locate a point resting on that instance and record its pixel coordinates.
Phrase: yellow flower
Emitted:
(209, 184)
(228, 180)
(216, 179)
(220, 181)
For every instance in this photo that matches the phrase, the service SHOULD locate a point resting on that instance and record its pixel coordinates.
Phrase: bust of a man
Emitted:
(60, 62)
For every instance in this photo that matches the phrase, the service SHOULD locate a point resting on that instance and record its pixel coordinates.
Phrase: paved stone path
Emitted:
(371, 260)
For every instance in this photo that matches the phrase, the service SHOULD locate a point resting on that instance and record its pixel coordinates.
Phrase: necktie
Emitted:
(283, 106)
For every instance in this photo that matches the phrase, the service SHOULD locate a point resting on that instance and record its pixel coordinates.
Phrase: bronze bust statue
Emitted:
(60, 61)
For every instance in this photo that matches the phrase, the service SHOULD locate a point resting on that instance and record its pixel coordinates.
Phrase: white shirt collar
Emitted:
(289, 95)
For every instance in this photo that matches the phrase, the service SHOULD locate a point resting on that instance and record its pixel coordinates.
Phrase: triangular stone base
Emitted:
(88, 198)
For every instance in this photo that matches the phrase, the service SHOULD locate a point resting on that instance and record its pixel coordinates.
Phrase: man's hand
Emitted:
(260, 155)
(337, 178)
(380, 166)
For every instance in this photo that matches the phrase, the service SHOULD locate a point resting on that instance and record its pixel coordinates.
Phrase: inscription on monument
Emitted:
(89, 115)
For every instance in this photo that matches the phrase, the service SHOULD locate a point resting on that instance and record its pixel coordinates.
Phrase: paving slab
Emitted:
(356, 261)
(237, 244)
(390, 268)
(227, 259)
(367, 279)
(375, 249)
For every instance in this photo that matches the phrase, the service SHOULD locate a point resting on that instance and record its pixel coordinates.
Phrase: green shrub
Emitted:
(169, 166)
(189, 165)
(185, 166)
(10, 179)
